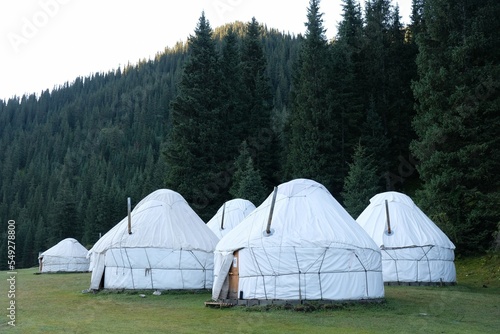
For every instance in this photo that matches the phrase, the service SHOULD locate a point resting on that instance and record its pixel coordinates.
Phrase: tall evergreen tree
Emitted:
(375, 61)
(232, 93)
(313, 147)
(346, 97)
(401, 70)
(258, 104)
(64, 217)
(192, 151)
(376, 144)
(457, 119)
(248, 183)
(361, 183)
(350, 29)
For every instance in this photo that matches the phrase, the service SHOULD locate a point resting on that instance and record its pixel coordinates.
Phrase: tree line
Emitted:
(236, 110)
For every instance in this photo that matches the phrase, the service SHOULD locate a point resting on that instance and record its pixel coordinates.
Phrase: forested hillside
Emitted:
(238, 109)
(71, 157)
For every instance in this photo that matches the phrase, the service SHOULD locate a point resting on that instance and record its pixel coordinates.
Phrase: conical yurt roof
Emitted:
(229, 216)
(305, 215)
(166, 196)
(166, 222)
(409, 225)
(68, 247)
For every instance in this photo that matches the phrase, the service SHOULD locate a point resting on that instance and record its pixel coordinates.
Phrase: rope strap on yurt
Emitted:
(366, 273)
(130, 266)
(427, 259)
(260, 271)
(299, 272)
(319, 272)
(395, 263)
(150, 269)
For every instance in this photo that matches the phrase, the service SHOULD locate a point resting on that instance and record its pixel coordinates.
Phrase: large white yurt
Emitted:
(66, 256)
(229, 215)
(169, 248)
(299, 244)
(414, 249)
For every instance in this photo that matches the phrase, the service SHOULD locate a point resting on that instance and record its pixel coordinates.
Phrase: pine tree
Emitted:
(457, 119)
(346, 97)
(249, 185)
(232, 92)
(361, 183)
(350, 29)
(401, 70)
(258, 104)
(376, 69)
(64, 215)
(376, 144)
(192, 150)
(313, 147)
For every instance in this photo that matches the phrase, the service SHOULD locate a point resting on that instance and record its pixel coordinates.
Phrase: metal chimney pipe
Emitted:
(222, 220)
(129, 205)
(387, 217)
(268, 228)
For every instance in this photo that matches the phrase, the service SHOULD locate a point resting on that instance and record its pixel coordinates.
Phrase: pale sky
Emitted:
(45, 43)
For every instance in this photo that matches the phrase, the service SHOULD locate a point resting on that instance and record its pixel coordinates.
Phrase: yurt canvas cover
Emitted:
(170, 248)
(415, 250)
(66, 256)
(229, 215)
(315, 251)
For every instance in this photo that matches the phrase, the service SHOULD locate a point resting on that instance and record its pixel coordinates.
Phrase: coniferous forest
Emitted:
(236, 110)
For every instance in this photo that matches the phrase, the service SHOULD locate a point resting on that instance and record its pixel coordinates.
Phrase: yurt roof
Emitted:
(305, 215)
(409, 225)
(166, 196)
(68, 247)
(162, 224)
(233, 212)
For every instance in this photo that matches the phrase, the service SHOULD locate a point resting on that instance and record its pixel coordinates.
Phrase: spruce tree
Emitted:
(457, 119)
(376, 144)
(249, 185)
(361, 183)
(232, 93)
(258, 104)
(346, 96)
(314, 146)
(374, 62)
(193, 146)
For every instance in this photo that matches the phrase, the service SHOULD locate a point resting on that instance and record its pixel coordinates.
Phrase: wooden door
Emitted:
(234, 276)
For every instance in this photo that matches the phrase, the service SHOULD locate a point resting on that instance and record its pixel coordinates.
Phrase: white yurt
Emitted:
(169, 248)
(414, 249)
(299, 244)
(229, 215)
(66, 256)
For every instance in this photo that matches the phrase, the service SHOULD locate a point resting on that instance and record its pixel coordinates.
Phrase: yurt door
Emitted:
(234, 276)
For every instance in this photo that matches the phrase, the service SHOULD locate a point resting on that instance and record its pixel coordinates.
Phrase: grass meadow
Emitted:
(54, 303)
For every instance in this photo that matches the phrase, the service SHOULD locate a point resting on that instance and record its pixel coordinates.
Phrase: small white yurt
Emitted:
(229, 215)
(169, 248)
(299, 244)
(67, 256)
(414, 249)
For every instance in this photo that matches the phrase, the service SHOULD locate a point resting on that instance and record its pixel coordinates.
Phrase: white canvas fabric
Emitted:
(170, 248)
(233, 212)
(315, 250)
(416, 250)
(66, 256)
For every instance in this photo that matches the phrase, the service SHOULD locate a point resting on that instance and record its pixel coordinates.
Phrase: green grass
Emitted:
(54, 303)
